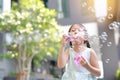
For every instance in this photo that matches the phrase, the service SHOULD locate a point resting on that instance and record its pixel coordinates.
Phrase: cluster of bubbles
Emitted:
(103, 37)
(102, 19)
(92, 9)
(112, 26)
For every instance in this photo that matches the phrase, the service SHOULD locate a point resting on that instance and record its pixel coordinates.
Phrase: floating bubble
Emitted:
(91, 9)
(109, 8)
(104, 34)
(104, 40)
(101, 45)
(109, 44)
(111, 26)
(84, 4)
(110, 16)
(118, 23)
(114, 25)
(101, 19)
(107, 60)
(95, 37)
(103, 37)
(70, 38)
(91, 42)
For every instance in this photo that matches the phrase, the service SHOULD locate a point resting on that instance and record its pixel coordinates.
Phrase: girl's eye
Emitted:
(73, 30)
(80, 30)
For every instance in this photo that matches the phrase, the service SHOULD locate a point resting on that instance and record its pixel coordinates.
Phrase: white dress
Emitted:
(74, 72)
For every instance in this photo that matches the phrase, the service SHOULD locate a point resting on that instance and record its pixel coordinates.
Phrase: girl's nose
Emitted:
(76, 32)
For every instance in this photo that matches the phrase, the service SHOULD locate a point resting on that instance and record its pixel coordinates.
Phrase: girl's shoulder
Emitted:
(90, 49)
(92, 52)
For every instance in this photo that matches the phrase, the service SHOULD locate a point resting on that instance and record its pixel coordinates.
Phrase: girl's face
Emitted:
(78, 33)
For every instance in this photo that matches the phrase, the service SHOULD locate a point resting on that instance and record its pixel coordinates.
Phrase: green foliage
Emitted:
(33, 30)
(118, 74)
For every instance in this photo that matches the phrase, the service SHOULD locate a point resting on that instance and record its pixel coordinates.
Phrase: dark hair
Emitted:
(86, 41)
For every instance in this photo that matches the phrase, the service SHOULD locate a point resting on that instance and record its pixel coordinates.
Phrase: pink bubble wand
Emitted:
(70, 38)
(77, 59)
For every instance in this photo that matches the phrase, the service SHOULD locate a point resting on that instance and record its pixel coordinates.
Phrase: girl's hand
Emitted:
(64, 39)
(80, 61)
(83, 62)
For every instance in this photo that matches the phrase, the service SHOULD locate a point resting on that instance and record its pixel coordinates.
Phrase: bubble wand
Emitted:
(77, 59)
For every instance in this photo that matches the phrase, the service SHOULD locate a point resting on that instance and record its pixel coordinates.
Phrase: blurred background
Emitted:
(31, 30)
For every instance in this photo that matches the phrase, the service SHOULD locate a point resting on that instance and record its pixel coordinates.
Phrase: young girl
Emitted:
(86, 66)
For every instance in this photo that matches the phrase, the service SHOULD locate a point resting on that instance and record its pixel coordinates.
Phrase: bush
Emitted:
(118, 74)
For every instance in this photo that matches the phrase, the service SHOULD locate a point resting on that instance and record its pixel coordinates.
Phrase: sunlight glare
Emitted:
(100, 8)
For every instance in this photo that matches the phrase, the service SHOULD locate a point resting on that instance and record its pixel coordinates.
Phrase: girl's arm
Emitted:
(63, 53)
(94, 66)
(62, 57)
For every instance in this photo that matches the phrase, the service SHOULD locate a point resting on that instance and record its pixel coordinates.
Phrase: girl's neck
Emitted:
(80, 48)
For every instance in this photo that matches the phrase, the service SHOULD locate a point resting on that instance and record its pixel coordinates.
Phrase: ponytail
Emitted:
(87, 43)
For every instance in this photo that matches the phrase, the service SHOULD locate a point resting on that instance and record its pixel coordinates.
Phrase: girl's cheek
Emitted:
(80, 39)
(72, 34)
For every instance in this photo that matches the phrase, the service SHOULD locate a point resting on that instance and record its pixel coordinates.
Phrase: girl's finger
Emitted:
(82, 58)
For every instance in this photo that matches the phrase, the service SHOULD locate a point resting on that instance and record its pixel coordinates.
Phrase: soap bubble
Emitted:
(118, 23)
(109, 8)
(91, 42)
(103, 37)
(110, 16)
(101, 19)
(104, 34)
(107, 60)
(109, 44)
(114, 25)
(84, 4)
(101, 45)
(91, 9)
(111, 26)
